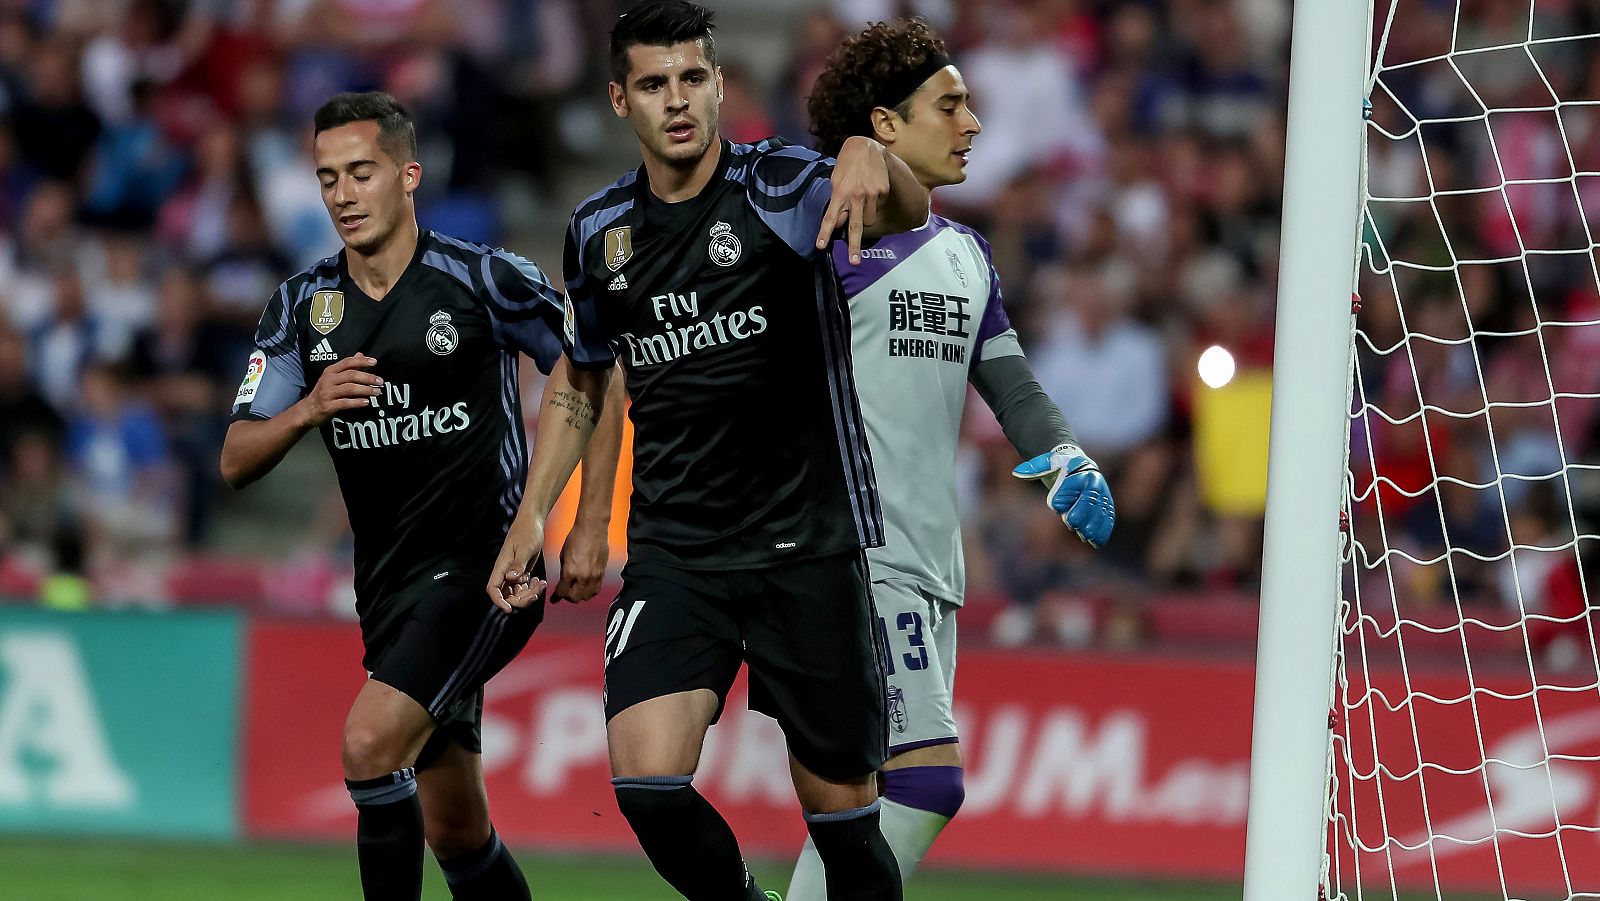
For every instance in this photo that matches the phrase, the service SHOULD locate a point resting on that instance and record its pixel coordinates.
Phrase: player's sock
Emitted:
(856, 860)
(918, 802)
(388, 835)
(689, 843)
(487, 874)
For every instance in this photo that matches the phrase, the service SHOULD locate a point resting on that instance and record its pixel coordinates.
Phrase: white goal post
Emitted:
(1306, 454)
(1427, 719)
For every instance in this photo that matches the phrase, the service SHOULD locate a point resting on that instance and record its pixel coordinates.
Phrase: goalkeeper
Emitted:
(926, 319)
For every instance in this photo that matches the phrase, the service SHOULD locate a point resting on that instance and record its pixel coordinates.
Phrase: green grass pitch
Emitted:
(102, 870)
(93, 870)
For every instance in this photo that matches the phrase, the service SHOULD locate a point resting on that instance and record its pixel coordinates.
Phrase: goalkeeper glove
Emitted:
(1076, 490)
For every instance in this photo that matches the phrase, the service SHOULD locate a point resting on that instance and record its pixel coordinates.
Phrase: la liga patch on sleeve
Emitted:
(252, 378)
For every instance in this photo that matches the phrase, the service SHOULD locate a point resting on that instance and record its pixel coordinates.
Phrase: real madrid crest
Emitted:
(327, 310)
(724, 247)
(442, 337)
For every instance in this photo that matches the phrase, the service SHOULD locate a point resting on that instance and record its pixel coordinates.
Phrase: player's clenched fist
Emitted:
(512, 585)
(345, 385)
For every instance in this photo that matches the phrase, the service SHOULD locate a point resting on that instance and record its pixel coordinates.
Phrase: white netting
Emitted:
(1466, 744)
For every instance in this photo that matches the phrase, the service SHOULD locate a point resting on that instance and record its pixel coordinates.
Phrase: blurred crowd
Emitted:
(155, 187)
(1482, 226)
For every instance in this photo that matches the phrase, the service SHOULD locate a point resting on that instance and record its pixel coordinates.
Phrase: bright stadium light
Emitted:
(1216, 366)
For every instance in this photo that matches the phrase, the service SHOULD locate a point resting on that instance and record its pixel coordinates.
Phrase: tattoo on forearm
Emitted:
(577, 406)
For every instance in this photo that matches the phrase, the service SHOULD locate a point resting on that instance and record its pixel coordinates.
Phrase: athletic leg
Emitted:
(382, 735)
(655, 748)
(449, 642)
(456, 824)
(843, 820)
(672, 651)
(817, 666)
(921, 784)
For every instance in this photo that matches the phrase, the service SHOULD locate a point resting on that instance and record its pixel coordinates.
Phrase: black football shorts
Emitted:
(806, 630)
(441, 652)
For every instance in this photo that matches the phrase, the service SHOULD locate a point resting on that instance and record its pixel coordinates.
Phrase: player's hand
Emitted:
(1077, 491)
(860, 181)
(346, 385)
(512, 585)
(584, 556)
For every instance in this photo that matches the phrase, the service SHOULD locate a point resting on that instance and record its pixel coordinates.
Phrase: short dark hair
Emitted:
(397, 134)
(660, 23)
(841, 102)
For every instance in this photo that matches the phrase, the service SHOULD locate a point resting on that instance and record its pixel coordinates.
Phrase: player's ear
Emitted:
(411, 175)
(886, 125)
(619, 100)
(719, 84)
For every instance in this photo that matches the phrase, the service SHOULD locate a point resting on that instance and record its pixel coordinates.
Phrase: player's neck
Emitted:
(673, 184)
(376, 273)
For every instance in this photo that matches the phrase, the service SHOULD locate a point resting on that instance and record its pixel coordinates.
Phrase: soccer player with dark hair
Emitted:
(402, 351)
(705, 272)
(926, 320)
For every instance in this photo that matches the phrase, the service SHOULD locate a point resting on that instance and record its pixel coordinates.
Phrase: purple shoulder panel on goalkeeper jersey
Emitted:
(890, 251)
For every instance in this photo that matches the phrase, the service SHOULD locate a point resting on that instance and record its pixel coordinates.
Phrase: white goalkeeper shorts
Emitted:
(919, 633)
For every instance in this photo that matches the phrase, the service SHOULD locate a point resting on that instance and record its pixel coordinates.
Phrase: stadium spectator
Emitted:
(118, 290)
(181, 364)
(121, 467)
(23, 410)
(67, 341)
(1033, 105)
(54, 127)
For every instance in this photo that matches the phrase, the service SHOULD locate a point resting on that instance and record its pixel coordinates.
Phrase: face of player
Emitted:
(367, 191)
(672, 97)
(935, 139)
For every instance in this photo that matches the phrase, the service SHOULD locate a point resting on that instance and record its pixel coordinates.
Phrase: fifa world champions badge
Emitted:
(724, 246)
(327, 310)
(442, 337)
(619, 247)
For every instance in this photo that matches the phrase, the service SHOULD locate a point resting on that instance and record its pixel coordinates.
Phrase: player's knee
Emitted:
(369, 753)
(647, 801)
(454, 833)
(936, 789)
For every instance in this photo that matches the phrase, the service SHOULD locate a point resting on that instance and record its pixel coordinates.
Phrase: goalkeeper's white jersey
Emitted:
(924, 308)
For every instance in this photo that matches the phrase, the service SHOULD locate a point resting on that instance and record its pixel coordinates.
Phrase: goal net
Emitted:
(1465, 715)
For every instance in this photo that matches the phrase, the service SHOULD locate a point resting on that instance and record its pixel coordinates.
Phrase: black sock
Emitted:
(487, 874)
(689, 843)
(857, 861)
(388, 836)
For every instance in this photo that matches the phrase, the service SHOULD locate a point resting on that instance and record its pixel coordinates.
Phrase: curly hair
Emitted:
(841, 102)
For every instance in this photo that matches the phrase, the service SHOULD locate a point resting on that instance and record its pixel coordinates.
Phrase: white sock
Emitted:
(910, 833)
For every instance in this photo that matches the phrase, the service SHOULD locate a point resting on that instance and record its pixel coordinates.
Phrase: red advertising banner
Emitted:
(1096, 763)
(1082, 762)
(1418, 805)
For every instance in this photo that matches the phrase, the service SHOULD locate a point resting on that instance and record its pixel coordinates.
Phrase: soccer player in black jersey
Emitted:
(403, 352)
(704, 272)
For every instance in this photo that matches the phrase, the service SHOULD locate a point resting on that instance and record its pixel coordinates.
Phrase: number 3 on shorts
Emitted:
(620, 627)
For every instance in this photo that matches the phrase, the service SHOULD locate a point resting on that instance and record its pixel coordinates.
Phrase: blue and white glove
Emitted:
(1077, 491)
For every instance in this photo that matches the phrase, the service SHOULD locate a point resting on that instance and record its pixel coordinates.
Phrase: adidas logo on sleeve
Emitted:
(323, 352)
